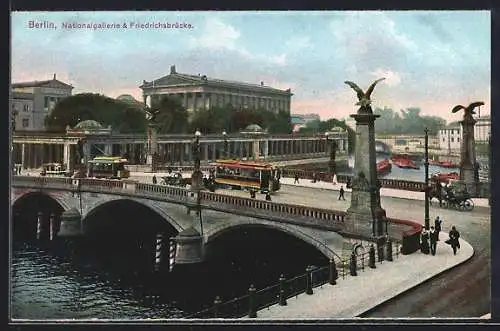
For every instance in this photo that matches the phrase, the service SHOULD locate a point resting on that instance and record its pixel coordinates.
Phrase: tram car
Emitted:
(112, 167)
(250, 175)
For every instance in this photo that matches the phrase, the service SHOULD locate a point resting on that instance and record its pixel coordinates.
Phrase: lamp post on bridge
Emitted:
(426, 165)
(196, 177)
(226, 152)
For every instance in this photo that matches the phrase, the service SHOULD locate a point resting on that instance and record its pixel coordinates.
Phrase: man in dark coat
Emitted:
(154, 179)
(341, 193)
(437, 226)
(433, 235)
(453, 241)
(296, 181)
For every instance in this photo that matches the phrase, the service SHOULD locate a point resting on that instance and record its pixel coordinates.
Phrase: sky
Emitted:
(432, 60)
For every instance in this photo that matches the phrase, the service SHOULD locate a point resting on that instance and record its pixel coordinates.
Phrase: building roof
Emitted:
(88, 124)
(22, 95)
(54, 83)
(179, 79)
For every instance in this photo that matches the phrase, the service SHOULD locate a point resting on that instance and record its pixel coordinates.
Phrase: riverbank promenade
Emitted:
(385, 192)
(355, 295)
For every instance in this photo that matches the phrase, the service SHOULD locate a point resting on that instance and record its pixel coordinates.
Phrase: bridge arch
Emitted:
(104, 203)
(293, 231)
(381, 147)
(17, 198)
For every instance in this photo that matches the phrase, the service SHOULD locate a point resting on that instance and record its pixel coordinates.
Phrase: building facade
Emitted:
(449, 137)
(33, 101)
(202, 92)
(482, 129)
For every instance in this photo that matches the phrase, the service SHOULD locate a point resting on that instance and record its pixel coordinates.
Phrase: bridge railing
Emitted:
(321, 218)
(170, 193)
(43, 182)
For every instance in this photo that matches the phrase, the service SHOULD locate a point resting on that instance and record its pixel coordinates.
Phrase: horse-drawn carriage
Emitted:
(175, 180)
(451, 195)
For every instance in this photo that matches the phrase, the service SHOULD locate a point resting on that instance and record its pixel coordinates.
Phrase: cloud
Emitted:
(297, 43)
(391, 78)
(217, 35)
(371, 39)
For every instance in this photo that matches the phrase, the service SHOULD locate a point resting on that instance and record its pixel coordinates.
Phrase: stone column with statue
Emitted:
(469, 168)
(365, 216)
(152, 150)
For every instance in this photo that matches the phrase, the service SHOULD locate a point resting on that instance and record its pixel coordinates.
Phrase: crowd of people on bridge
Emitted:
(429, 239)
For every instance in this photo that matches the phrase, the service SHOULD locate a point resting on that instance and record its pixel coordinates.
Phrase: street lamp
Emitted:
(196, 177)
(426, 165)
(224, 135)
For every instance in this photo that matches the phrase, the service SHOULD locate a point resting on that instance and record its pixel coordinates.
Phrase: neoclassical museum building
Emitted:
(202, 92)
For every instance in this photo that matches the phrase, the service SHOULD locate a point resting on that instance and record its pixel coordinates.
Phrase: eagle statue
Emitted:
(364, 97)
(469, 110)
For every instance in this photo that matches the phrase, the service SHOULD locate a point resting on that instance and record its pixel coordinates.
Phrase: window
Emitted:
(26, 107)
(26, 122)
(452, 139)
(458, 140)
(443, 139)
(46, 102)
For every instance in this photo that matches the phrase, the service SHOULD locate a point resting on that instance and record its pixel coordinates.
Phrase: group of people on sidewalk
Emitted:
(429, 239)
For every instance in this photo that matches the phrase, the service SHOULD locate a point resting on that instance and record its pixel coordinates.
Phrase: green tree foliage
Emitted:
(123, 117)
(408, 121)
(230, 119)
(172, 116)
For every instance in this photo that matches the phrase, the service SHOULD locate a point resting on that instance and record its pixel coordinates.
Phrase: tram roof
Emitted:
(108, 159)
(243, 164)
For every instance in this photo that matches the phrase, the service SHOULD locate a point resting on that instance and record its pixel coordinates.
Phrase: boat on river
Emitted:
(402, 162)
(383, 167)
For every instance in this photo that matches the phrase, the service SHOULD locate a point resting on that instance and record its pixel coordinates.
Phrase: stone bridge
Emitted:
(321, 228)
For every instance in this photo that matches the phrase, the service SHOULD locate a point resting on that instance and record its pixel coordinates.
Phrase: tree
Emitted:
(170, 115)
(123, 117)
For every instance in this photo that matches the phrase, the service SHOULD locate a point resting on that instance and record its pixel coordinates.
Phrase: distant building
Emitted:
(127, 98)
(482, 129)
(33, 101)
(202, 92)
(449, 137)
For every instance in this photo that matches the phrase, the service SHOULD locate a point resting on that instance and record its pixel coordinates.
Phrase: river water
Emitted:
(51, 283)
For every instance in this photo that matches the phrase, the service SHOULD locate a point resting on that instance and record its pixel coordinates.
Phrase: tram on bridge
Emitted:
(250, 175)
(112, 167)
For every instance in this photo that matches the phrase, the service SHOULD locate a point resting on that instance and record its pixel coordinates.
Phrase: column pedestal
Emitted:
(468, 165)
(365, 216)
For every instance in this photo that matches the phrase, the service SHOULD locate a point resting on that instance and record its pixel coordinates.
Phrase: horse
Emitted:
(435, 191)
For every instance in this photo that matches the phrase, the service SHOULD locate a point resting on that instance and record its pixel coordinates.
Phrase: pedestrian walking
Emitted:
(341, 193)
(438, 226)
(433, 239)
(453, 240)
(268, 196)
(154, 179)
(296, 180)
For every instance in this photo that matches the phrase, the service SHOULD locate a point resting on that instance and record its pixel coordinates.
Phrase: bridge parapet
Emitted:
(296, 214)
